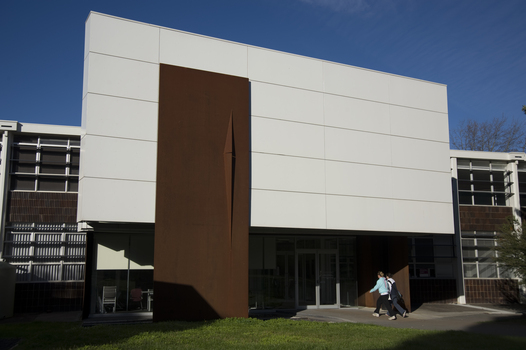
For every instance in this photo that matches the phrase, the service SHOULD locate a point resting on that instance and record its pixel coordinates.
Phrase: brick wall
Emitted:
(443, 291)
(42, 207)
(491, 291)
(483, 218)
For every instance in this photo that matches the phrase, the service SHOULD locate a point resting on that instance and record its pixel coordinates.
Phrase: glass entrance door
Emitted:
(317, 278)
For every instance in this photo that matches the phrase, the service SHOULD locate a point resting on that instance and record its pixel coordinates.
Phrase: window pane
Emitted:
(470, 270)
(50, 184)
(498, 165)
(73, 185)
(488, 270)
(463, 163)
(464, 197)
(19, 183)
(52, 169)
(53, 141)
(500, 199)
(482, 185)
(464, 175)
(74, 157)
(480, 164)
(481, 175)
(25, 153)
(483, 198)
(51, 155)
(464, 185)
(23, 167)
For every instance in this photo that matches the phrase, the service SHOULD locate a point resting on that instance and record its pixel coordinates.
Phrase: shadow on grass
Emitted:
(460, 340)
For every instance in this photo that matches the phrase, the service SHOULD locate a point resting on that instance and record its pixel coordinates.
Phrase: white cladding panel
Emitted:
(355, 82)
(357, 147)
(360, 180)
(333, 146)
(123, 38)
(123, 77)
(359, 213)
(283, 173)
(287, 209)
(351, 113)
(287, 138)
(282, 102)
(418, 123)
(121, 117)
(420, 154)
(285, 69)
(198, 52)
(417, 94)
(117, 158)
(116, 200)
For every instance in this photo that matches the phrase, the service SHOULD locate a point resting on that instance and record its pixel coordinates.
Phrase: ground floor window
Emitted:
(292, 272)
(478, 253)
(431, 256)
(122, 277)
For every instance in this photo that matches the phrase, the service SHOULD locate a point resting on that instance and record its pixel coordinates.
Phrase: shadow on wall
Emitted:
(509, 290)
(181, 302)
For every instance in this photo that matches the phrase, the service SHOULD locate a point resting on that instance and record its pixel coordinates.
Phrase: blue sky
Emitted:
(476, 47)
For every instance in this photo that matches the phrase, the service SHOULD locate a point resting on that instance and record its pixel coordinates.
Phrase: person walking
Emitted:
(383, 289)
(394, 293)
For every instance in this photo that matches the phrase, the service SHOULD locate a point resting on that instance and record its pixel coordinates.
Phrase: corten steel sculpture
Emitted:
(202, 203)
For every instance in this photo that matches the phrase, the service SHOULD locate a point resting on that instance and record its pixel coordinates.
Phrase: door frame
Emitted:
(317, 253)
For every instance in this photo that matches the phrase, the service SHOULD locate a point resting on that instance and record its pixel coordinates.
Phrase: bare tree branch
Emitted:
(499, 134)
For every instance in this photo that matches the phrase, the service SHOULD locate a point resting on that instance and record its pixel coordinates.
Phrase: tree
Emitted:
(495, 135)
(511, 248)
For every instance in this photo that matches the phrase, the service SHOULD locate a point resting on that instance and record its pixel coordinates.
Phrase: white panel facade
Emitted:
(333, 146)
(287, 138)
(419, 154)
(351, 113)
(281, 102)
(417, 94)
(122, 77)
(359, 180)
(122, 38)
(286, 209)
(121, 117)
(417, 123)
(359, 213)
(284, 173)
(116, 200)
(117, 158)
(198, 52)
(285, 69)
(355, 82)
(357, 147)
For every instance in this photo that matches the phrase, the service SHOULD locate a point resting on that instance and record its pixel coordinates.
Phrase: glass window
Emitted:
(51, 184)
(478, 255)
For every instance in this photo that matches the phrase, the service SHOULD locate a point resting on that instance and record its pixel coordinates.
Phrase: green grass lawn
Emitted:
(245, 334)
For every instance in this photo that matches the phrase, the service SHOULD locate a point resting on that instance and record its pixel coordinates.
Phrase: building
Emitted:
(490, 188)
(308, 174)
(254, 179)
(39, 172)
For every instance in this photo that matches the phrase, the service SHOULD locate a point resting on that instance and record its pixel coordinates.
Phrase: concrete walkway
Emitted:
(486, 319)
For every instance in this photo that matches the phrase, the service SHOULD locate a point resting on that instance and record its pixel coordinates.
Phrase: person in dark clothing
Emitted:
(394, 293)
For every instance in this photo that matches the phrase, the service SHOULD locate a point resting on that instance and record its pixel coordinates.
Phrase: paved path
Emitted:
(487, 319)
